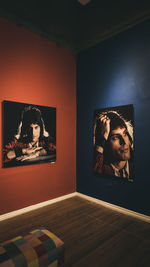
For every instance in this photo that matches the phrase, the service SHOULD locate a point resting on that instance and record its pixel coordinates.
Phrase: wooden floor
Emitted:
(94, 236)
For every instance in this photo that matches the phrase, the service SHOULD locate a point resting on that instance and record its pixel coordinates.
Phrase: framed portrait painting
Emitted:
(114, 142)
(29, 134)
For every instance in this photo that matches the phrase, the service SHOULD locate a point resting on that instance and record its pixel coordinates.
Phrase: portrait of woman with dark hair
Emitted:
(31, 143)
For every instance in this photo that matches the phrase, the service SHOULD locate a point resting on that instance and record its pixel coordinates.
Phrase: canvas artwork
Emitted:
(29, 134)
(114, 142)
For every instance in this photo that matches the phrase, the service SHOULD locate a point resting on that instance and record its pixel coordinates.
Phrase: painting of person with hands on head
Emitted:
(113, 143)
(32, 143)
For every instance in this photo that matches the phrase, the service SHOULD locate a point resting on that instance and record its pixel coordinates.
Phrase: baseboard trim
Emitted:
(34, 207)
(116, 208)
(95, 200)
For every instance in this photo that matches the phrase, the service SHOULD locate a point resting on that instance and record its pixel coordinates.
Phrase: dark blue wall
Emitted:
(114, 73)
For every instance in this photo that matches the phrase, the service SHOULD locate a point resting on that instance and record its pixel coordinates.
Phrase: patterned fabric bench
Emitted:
(39, 248)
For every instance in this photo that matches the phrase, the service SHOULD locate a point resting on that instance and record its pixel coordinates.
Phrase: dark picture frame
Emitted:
(113, 139)
(28, 134)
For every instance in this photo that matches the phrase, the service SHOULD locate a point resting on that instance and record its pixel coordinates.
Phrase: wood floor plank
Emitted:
(94, 236)
(121, 250)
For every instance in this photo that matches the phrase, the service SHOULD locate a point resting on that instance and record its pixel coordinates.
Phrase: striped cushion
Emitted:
(39, 248)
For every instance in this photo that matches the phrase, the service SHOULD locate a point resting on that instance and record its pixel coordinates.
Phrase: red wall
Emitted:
(36, 71)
